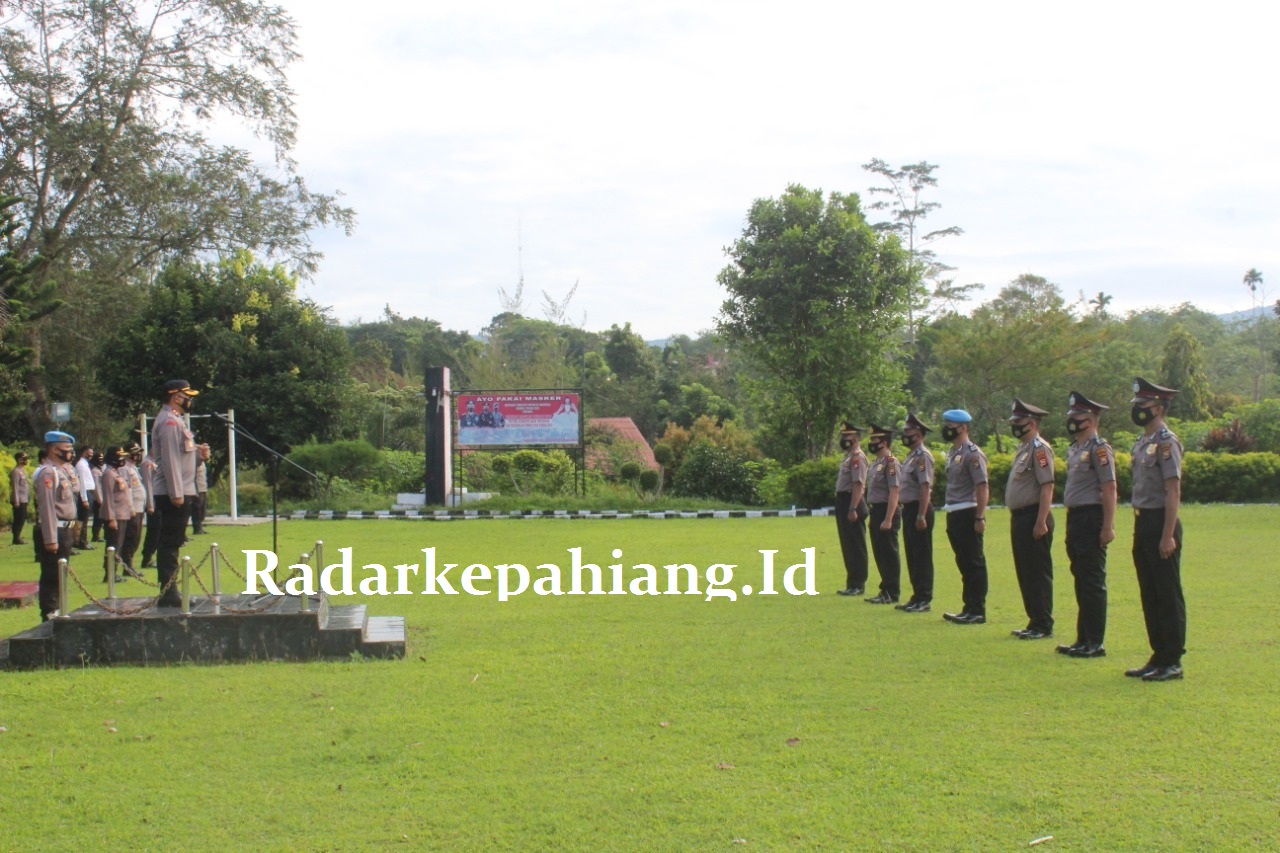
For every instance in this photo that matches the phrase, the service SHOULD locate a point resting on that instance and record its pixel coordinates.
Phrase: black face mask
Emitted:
(845, 444)
(1141, 416)
(1019, 430)
(1075, 425)
(950, 433)
(909, 440)
(67, 455)
(875, 447)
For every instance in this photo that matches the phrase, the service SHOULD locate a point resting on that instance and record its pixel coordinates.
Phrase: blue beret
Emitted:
(957, 416)
(57, 435)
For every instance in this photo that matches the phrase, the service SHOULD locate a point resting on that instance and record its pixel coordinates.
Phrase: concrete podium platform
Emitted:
(235, 628)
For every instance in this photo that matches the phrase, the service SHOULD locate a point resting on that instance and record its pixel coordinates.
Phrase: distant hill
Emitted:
(1244, 318)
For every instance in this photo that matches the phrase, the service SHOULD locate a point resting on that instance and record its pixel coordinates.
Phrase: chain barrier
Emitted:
(173, 579)
(120, 611)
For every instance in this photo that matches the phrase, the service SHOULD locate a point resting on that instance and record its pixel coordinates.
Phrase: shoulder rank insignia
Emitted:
(1101, 455)
(1042, 457)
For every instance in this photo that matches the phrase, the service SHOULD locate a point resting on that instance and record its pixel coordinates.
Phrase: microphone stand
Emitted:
(276, 457)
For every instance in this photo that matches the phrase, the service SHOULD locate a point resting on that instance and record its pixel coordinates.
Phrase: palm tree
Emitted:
(1253, 281)
(1100, 303)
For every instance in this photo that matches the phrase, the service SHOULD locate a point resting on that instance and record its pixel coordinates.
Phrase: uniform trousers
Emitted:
(113, 539)
(1160, 585)
(19, 520)
(884, 546)
(1089, 568)
(172, 536)
(151, 538)
(49, 570)
(1033, 564)
(918, 545)
(132, 536)
(966, 542)
(853, 541)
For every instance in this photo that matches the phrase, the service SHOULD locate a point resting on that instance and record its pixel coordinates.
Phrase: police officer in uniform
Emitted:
(966, 508)
(174, 483)
(883, 491)
(19, 495)
(1090, 497)
(917, 515)
(1029, 497)
(58, 494)
(1157, 532)
(151, 537)
(851, 510)
(117, 507)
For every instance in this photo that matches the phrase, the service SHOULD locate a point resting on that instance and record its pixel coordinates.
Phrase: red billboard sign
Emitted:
(516, 418)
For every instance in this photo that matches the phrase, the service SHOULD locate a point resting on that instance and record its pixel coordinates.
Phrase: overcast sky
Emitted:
(1130, 148)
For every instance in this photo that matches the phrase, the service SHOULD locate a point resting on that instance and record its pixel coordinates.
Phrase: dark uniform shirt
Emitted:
(884, 476)
(917, 474)
(966, 470)
(1090, 464)
(853, 469)
(1156, 458)
(1032, 468)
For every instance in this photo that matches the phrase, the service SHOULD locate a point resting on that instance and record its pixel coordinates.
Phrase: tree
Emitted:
(1253, 281)
(1183, 368)
(102, 111)
(817, 301)
(1024, 343)
(903, 199)
(237, 331)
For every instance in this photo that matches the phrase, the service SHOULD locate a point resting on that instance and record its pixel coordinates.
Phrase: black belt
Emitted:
(1025, 510)
(1085, 508)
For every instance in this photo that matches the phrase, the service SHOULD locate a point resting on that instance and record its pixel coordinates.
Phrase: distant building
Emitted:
(628, 434)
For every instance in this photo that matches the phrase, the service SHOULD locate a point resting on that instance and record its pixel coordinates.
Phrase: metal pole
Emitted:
(305, 605)
(144, 435)
(62, 587)
(186, 586)
(319, 552)
(217, 586)
(111, 573)
(231, 462)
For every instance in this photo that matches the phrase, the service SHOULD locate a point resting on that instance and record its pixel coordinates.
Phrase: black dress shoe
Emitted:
(882, 598)
(904, 606)
(1088, 650)
(1066, 650)
(920, 607)
(965, 618)
(853, 590)
(1034, 634)
(1141, 671)
(1164, 673)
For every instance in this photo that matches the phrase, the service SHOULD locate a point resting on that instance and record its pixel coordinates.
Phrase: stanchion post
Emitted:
(186, 586)
(217, 583)
(305, 605)
(111, 573)
(62, 587)
(319, 552)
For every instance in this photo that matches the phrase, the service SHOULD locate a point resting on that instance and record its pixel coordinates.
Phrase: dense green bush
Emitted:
(1231, 478)
(812, 483)
(709, 471)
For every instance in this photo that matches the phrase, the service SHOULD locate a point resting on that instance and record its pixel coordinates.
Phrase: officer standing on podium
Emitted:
(57, 492)
(1157, 532)
(174, 485)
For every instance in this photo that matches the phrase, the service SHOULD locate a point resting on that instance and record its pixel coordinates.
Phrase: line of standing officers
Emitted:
(164, 487)
(877, 495)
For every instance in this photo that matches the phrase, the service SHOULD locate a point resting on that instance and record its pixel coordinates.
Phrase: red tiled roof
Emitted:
(627, 432)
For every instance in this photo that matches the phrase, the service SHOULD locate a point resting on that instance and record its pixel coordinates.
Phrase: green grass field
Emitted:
(621, 722)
